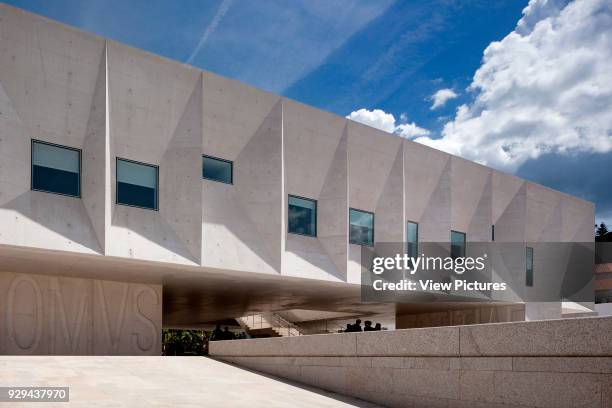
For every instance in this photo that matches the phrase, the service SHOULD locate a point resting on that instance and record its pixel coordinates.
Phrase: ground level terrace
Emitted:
(557, 363)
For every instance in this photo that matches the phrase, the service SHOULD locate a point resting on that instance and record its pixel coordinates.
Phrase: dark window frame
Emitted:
(373, 227)
(529, 277)
(464, 242)
(79, 151)
(316, 216)
(492, 232)
(156, 167)
(231, 163)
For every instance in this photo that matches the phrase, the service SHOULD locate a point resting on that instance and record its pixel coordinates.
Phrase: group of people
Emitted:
(356, 327)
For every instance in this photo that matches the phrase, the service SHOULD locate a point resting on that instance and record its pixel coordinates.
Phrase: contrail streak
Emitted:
(223, 7)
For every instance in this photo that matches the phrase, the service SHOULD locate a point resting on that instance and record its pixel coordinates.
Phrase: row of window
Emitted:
(303, 221)
(57, 169)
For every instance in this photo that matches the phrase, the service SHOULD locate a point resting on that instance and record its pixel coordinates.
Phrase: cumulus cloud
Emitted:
(410, 130)
(376, 118)
(546, 88)
(441, 97)
(384, 121)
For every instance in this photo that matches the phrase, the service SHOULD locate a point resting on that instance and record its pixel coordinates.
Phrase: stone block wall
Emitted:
(556, 363)
(44, 315)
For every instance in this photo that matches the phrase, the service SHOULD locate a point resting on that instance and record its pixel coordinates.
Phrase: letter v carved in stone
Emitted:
(112, 338)
(72, 339)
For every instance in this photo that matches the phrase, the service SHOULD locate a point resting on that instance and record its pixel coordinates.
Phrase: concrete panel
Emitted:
(332, 378)
(372, 383)
(374, 175)
(547, 389)
(577, 215)
(577, 337)
(333, 210)
(606, 391)
(233, 112)
(66, 316)
(154, 119)
(305, 257)
(95, 168)
(563, 364)
(471, 199)
(485, 314)
(372, 154)
(543, 222)
(428, 191)
(48, 76)
(230, 239)
(427, 383)
(509, 206)
(416, 342)
(242, 224)
(328, 345)
(315, 163)
(180, 177)
(49, 71)
(390, 206)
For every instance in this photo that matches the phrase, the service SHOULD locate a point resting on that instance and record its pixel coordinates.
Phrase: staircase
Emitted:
(268, 325)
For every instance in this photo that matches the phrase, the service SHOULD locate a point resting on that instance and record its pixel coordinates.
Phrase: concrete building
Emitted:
(142, 235)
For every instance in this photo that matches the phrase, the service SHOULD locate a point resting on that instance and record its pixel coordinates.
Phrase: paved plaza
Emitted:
(111, 381)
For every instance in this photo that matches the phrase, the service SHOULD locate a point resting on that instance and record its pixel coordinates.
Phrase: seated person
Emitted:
(368, 326)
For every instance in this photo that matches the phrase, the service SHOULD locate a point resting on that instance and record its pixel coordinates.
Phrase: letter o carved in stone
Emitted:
(36, 297)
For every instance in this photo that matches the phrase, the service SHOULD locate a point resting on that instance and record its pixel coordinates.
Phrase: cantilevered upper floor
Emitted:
(111, 151)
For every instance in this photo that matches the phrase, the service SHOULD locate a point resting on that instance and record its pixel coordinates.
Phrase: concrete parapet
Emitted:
(560, 363)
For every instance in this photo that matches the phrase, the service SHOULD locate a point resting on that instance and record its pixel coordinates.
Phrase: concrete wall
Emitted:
(475, 315)
(67, 316)
(557, 363)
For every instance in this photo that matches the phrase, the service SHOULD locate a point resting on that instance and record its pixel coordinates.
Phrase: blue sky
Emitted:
(391, 57)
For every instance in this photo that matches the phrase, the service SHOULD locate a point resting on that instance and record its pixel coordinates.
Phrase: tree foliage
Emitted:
(185, 342)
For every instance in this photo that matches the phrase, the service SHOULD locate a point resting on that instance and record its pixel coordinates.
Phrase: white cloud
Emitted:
(410, 130)
(384, 121)
(376, 118)
(545, 88)
(441, 97)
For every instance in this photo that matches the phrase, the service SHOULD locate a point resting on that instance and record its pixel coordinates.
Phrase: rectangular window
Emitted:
(137, 184)
(56, 169)
(412, 239)
(302, 216)
(492, 232)
(217, 169)
(457, 244)
(529, 266)
(361, 230)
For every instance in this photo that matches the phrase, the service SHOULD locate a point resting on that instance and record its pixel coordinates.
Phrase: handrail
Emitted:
(292, 329)
(284, 327)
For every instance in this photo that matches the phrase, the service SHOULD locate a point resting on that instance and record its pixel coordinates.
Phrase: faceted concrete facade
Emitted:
(556, 363)
(63, 86)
